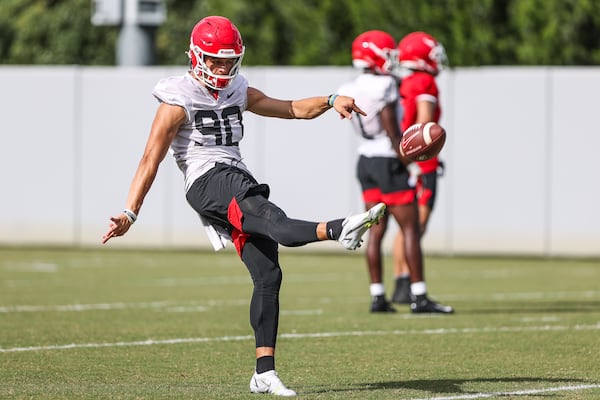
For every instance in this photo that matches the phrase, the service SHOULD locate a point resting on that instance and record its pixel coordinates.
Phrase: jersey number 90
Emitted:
(226, 129)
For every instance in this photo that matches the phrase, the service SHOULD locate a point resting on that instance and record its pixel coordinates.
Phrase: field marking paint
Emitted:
(148, 342)
(441, 331)
(34, 266)
(323, 300)
(515, 393)
(158, 305)
(83, 307)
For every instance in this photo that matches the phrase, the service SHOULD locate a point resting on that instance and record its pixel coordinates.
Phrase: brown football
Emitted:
(423, 141)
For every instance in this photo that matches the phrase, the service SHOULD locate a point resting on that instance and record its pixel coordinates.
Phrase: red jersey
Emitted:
(419, 86)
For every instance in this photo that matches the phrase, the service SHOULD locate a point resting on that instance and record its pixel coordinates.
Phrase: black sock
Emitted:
(403, 280)
(334, 229)
(264, 364)
(419, 298)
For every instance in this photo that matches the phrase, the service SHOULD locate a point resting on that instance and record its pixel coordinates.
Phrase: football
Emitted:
(423, 141)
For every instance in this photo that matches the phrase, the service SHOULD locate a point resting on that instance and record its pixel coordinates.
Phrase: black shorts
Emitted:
(427, 189)
(212, 193)
(384, 179)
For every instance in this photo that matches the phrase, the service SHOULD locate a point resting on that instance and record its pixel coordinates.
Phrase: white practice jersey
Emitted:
(213, 127)
(372, 93)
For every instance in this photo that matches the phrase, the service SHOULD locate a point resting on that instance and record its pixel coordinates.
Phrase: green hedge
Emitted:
(318, 32)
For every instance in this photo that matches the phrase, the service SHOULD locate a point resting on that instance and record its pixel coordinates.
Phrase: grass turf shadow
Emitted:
(441, 386)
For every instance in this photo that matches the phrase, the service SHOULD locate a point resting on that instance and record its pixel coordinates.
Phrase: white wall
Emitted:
(520, 158)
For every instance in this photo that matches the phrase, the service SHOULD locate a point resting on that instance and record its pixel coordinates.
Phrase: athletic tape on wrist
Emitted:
(131, 216)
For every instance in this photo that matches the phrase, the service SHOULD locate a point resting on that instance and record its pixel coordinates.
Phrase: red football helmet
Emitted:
(215, 37)
(374, 50)
(422, 52)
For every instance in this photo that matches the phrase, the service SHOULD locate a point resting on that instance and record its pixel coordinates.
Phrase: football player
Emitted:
(421, 57)
(381, 170)
(199, 119)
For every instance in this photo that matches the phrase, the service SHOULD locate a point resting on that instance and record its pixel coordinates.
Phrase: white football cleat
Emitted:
(269, 382)
(355, 226)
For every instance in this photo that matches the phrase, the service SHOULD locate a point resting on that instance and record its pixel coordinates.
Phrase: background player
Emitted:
(381, 172)
(421, 57)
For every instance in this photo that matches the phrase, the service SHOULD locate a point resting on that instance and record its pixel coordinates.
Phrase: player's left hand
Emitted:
(345, 105)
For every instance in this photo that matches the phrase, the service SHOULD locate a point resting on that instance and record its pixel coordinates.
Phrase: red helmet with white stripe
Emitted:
(420, 51)
(374, 50)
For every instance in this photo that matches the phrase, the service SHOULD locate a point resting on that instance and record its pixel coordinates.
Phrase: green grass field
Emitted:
(116, 324)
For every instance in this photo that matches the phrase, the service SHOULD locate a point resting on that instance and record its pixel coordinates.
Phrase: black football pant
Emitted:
(265, 225)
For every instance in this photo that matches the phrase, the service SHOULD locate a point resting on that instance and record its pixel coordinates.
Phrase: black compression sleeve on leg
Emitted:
(262, 260)
(261, 217)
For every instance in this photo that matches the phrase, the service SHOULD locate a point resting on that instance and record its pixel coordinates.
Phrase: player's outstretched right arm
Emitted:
(166, 123)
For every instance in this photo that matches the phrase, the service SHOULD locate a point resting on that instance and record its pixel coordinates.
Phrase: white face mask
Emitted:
(206, 76)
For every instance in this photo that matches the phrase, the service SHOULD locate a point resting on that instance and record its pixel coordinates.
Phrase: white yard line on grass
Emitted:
(515, 393)
(157, 305)
(442, 331)
(238, 302)
(82, 307)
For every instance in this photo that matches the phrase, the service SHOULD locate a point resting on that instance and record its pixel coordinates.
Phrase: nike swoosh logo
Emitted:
(230, 94)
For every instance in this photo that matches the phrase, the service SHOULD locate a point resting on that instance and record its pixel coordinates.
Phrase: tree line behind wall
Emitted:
(318, 32)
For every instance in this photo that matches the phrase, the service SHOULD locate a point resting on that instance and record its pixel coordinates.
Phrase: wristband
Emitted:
(130, 215)
(331, 99)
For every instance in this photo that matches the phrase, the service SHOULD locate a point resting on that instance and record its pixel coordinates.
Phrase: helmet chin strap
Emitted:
(214, 92)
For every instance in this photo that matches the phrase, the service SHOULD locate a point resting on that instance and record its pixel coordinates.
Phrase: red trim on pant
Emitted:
(424, 196)
(429, 166)
(372, 195)
(235, 216)
(399, 198)
(390, 199)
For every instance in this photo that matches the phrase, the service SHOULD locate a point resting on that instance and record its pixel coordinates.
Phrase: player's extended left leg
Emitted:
(259, 216)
